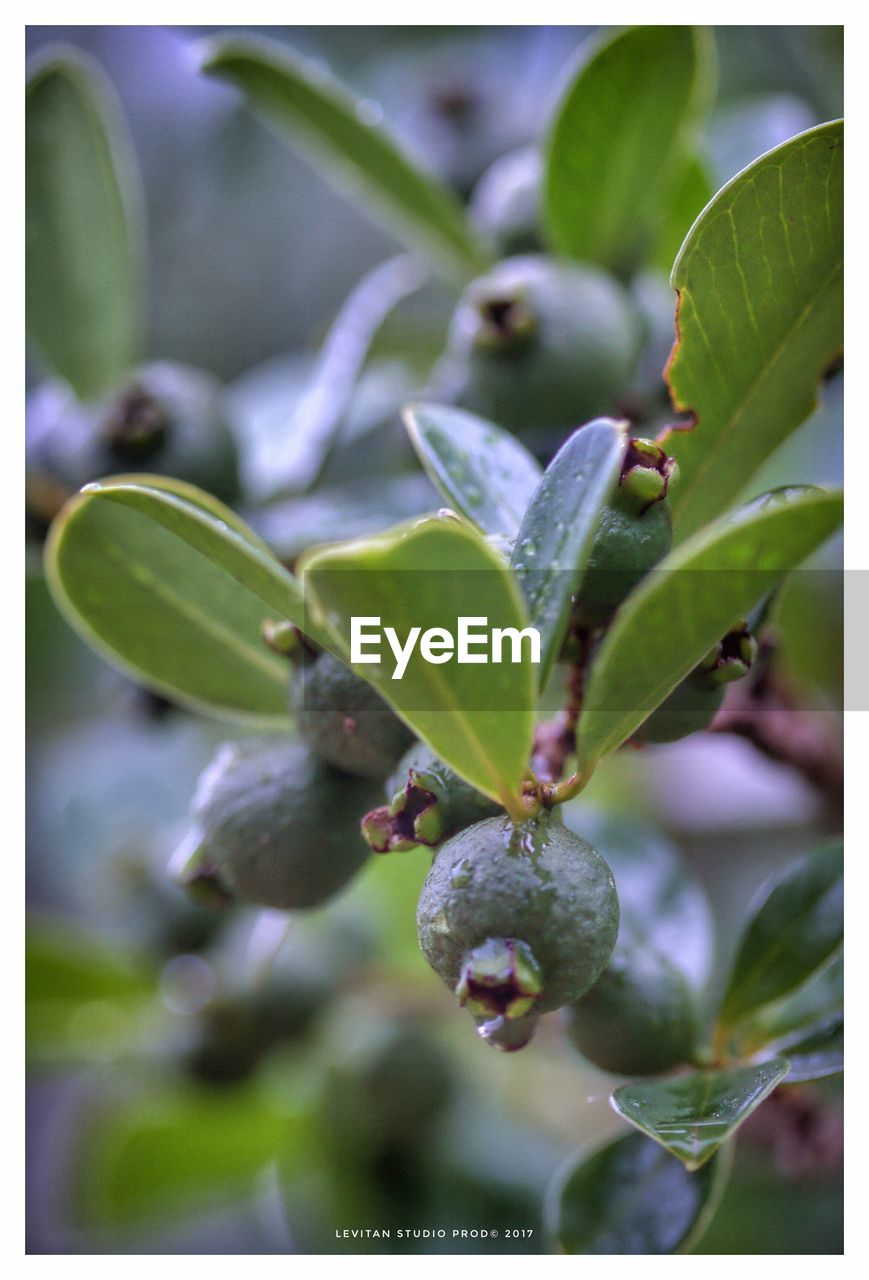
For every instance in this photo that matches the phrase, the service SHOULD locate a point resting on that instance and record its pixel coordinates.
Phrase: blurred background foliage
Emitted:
(170, 1110)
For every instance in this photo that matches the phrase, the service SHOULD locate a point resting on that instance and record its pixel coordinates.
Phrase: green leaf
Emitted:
(631, 1197)
(166, 1153)
(555, 539)
(691, 599)
(84, 242)
(316, 420)
(662, 904)
(479, 718)
(300, 100)
(693, 193)
(620, 143)
(759, 317)
(793, 934)
(800, 1014)
(692, 1115)
(174, 596)
(483, 471)
(819, 1055)
(82, 991)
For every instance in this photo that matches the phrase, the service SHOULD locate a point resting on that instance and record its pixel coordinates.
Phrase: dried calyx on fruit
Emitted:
(428, 802)
(633, 535)
(167, 420)
(541, 344)
(343, 719)
(694, 702)
(272, 825)
(517, 920)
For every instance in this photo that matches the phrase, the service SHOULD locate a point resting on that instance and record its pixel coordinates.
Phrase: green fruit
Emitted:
(518, 918)
(236, 1030)
(634, 533)
(390, 1088)
(505, 204)
(344, 720)
(274, 826)
(167, 420)
(638, 1018)
(691, 706)
(694, 702)
(541, 344)
(428, 802)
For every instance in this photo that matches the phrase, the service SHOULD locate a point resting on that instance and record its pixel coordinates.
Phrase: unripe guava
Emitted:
(639, 1017)
(694, 702)
(518, 918)
(274, 826)
(344, 720)
(167, 420)
(505, 203)
(539, 343)
(634, 533)
(428, 803)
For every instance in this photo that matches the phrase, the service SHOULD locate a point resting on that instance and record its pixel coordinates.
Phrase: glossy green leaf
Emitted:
(174, 596)
(315, 423)
(759, 317)
(662, 904)
(684, 606)
(84, 243)
(193, 495)
(800, 1014)
(303, 102)
(631, 1197)
(693, 1114)
(165, 1153)
(793, 934)
(478, 717)
(483, 471)
(620, 143)
(555, 539)
(691, 196)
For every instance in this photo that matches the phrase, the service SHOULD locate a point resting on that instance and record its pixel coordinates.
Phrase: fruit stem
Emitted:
(552, 793)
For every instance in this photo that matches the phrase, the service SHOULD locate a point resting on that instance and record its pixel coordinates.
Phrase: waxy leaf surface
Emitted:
(631, 1197)
(621, 141)
(689, 601)
(345, 134)
(483, 471)
(692, 1115)
(556, 535)
(760, 315)
(174, 595)
(795, 932)
(478, 717)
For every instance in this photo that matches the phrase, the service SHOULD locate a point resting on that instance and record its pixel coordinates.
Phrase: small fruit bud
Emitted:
(428, 803)
(647, 473)
(284, 638)
(500, 979)
(733, 656)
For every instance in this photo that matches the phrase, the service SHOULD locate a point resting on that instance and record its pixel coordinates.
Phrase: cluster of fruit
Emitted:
(517, 919)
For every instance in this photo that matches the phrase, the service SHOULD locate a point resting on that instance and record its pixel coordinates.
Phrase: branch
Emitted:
(763, 710)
